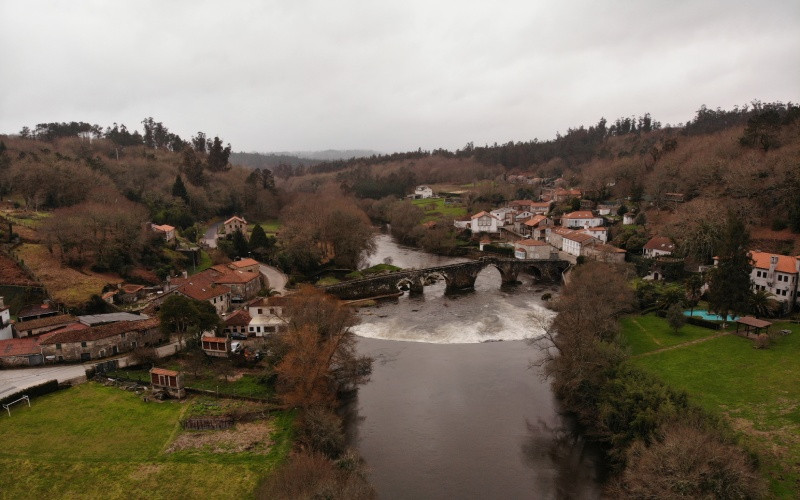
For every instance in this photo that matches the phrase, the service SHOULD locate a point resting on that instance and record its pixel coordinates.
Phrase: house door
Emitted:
(35, 359)
(114, 351)
(86, 356)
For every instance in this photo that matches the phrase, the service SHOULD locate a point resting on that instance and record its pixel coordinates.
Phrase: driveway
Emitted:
(210, 238)
(17, 379)
(275, 278)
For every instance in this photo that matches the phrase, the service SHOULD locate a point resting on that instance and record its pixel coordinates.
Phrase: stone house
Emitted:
(531, 249)
(43, 325)
(21, 352)
(130, 293)
(202, 287)
(38, 311)
(247, 264)
(169, 381)
(244, 285)
(505, 215)
(561, 195)
(605, 253)
(537, 227)
(165, 230)
(235, 223)
(102, 341)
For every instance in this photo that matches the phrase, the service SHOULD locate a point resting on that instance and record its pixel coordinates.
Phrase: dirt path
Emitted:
(678, 346)
(646, 332)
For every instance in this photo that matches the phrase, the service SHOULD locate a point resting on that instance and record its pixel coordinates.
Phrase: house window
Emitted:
(260, 311)
(58, 346)
(122, 335)
(83, 344)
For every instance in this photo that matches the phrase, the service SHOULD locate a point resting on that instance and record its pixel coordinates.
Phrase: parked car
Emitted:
(236, 347)
(238, 336)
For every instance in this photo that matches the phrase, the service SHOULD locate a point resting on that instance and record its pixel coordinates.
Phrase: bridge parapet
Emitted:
(459, 276)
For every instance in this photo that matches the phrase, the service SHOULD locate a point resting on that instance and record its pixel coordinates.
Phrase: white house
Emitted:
(575, 242)
(423, 192)
(607, 209)
(505, 215)
(628, 219)
(531, 249)
(658, 246)
(6, 331)
(776, 274)
(555, 236)
(581, 219)
(601, 232)
(267, 316)
(484, 222)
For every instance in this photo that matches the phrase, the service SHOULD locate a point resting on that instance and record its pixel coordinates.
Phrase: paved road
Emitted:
(21, 378)
(275, 278)
(210, 238)
(17, 379)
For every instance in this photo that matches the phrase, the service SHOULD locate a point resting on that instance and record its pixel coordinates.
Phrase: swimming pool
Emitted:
(702, 313)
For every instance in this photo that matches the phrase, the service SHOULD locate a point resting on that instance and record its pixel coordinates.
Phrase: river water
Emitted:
(453, 408)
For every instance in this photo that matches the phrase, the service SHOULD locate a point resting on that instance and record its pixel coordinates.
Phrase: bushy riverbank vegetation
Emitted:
(650, 431)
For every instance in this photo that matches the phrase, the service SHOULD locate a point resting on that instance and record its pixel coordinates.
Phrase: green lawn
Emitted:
(436, 208)
(92, 441)
(649, 333)
(270, 226)
(204, 263)
(756, 391)
(246, 385)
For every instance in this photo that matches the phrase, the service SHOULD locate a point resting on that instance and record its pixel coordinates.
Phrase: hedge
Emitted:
(33, 391)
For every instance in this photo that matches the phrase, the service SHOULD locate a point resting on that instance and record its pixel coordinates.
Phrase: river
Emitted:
(453, 408)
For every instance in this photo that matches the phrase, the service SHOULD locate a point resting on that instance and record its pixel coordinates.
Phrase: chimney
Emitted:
(773, 263)
(184, 274)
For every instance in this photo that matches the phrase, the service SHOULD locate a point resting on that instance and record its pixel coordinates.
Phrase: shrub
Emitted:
(688, 462)
(321, 431)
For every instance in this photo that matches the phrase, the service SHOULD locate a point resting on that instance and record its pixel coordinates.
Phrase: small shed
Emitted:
(216, 346)
(750, 323)
(169, 381)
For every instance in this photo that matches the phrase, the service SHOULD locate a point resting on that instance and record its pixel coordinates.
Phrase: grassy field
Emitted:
(204, 263)
(270, 226)
(436, 208)
(102, 442)
(209, 380)
(65, 284)
(649, 333)
(756, 391)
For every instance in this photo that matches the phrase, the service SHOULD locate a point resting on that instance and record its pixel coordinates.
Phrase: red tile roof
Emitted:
(101, 332)
(234, 218)
(481, 214)
(604, 247)
(531, 243)
(237, 277)
(243, 263)
(275, 300)
(201, 286)
(238, 318)
(535, 220)
(660, 243)
(164, 371)
(53, 321)
(214, 339)
(19, 347)
(580, 214)
(163, 227)
(132, 288)
(786, 263)
(579, 237)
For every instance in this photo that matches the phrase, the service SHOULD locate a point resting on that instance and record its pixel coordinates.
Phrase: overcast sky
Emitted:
(390, 76)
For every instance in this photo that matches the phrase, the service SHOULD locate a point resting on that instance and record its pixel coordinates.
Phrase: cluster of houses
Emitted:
(527, 226)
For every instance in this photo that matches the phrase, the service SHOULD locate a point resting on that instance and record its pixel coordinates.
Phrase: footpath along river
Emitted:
(453, 409)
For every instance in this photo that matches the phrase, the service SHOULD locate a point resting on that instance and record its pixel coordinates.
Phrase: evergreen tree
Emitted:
(240, 243)
(258, 239)
(192, 167)
(729, 284)
(218, 156)
(179, 189)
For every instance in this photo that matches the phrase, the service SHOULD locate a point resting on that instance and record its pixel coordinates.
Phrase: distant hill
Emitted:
(297, 158)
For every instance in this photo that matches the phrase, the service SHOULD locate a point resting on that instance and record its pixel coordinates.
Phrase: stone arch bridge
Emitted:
(458, 277)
